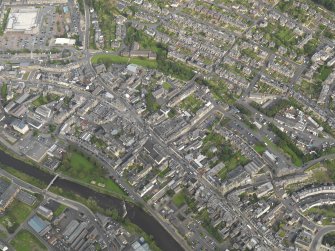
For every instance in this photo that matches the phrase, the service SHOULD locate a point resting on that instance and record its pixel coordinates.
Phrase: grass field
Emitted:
(4, 91)
(60, 209)
(206, 222)
(26, 75)
(26, 241)
(3, 235)
(179, 199)
(234, 162)
(42, 100)
(260, 148)
(327, 211)
(85, 169)
(191, 104)
(167, 86)
(312, 89)
(291, 154)
(224, 153)
(323, 73)
(15, 215)
(109, 59)
(164, 172)
(294, 157)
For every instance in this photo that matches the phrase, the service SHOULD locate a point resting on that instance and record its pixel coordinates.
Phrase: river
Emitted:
(135, 214)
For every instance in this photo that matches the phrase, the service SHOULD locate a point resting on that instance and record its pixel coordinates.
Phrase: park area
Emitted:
(191, 104)
(325, 212)
(42, 100)
(26, 241)
(88, 170)
(215, 146)
(4, 91)
(15, 215)
(109, 59)
(162, 63)
(179, 199)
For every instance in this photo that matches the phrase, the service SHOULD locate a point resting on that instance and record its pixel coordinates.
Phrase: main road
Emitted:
(316, 243)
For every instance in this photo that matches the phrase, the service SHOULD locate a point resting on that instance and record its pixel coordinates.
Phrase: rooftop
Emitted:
(37, 224)
(22, 19)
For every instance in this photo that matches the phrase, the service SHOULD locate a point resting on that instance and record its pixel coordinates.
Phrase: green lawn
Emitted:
(42, 100)
(281, 233)
(167, 86)
(4, 91)
(99, 143)
(164, 172)
(26, 75)
(166, 66)
(191, 104)
(260, 148)
(297, 13)
(179, 199)
(294, 157)
(109, 59)
(233, 163)
(326, 211)
(323, 73)
(26, 241)
(250, 53)
(224, 152)
(4, 21)
(106, 12)
(296, 160)
(312, 89)
(206, 222)
(151, 103)
(3, 235)
(15, 215)
(86, 169)
(219, 90)
(60, 209)
(281, 36)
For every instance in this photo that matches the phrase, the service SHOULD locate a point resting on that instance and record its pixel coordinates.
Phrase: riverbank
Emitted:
(135, 214)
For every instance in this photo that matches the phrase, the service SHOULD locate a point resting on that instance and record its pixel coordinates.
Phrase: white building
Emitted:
(65, 41)
(23, 20)
(20, 126)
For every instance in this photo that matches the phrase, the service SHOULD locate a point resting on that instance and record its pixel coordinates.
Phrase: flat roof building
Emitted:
(38, 225)
(45, 212)
(20, 126)
(23, 20)
(37, 152)
(150, 148)
(64, 41)
(44, 111)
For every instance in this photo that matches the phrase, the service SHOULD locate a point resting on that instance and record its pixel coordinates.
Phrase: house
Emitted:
(7, 197)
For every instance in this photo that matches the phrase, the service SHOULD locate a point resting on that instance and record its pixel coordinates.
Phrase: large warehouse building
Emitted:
(23, 20)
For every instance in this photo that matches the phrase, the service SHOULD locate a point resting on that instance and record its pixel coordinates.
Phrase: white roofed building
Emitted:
(65, 41)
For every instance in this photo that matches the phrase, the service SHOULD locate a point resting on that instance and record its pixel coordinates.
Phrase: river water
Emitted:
(139, 217)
